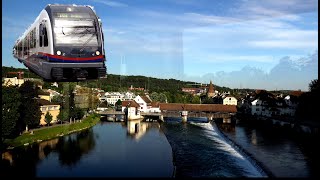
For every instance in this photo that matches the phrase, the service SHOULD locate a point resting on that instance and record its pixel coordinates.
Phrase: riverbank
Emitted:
(51, 133)
(305, 128)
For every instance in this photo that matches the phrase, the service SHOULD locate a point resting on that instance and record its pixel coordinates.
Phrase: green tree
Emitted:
(314, 86)
(30, 113)
(10, 111)
(57, 99)
(48, 118)
(307, 109)
(154, 96)
(195, 100)
(162, 98)
(118, 105)
(76, 113)
(63, 115)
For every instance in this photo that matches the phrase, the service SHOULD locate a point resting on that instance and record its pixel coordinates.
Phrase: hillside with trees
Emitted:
(169, 88)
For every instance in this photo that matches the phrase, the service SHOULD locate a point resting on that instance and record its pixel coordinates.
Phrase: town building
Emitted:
(131, 109)
(14, 81)
(230, 100)
(211, 92)
(192, 91)
(269, 105)
(155, 107)
(144, 103)
(47, 106)
(131, 88)
(113, 97)
(103, 106)
(44, 95)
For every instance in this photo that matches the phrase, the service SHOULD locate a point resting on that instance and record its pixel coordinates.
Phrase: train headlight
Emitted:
(59, 53)
(97, 53)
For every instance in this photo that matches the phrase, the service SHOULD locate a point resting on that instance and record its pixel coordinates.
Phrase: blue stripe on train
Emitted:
(74, 61)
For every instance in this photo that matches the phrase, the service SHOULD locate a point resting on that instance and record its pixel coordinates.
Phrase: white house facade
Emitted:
(256, 107)
(132, 108)
(155, 107)
(230, 100)
(143, 102)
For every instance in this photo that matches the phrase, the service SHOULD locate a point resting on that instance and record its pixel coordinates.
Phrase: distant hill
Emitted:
(115, 82)
(27, 73)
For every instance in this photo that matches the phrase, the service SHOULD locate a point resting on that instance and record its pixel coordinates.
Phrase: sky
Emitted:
(258, 44)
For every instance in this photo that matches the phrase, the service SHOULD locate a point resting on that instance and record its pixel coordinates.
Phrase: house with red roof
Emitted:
(144, 103)
(131, 109)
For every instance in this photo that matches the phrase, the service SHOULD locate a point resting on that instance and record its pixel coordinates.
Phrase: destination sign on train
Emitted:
(72, 15)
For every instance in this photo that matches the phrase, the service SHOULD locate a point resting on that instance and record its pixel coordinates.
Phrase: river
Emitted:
(172, 148)
(278, 149)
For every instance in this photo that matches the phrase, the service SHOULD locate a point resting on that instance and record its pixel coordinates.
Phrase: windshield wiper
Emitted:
(89, 39)
(81, 33)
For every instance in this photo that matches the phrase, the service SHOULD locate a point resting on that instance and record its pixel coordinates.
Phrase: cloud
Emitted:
(111, 3)
(224, 58)
(207, 19)
(257, 9)
(302, 70)
(288, 39)
(286, 44)
(117, 41)
(248, 35)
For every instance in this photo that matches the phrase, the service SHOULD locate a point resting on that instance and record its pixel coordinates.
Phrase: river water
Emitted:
(193, 149)
(279, 150)
(105, 150)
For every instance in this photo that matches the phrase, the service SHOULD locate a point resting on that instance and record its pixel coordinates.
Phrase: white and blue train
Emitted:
(65, 43)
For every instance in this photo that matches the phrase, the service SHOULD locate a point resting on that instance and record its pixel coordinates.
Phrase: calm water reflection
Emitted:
(106, 150)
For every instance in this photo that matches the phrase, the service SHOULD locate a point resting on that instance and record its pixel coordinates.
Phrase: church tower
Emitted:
(210, 90)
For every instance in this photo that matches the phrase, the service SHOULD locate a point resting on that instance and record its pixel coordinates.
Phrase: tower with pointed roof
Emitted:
(210, 90)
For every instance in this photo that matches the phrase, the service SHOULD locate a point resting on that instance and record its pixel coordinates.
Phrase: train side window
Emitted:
(40, 35)
(31, 39)
(45, 37)
(34, 38)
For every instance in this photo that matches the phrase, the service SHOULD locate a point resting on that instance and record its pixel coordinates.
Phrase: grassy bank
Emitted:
(53, 132)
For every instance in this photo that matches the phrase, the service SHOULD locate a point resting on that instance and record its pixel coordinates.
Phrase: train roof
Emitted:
(68, 8)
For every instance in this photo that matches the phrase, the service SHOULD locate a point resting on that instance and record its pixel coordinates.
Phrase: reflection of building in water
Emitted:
(136, 129)
(229, 127)
(47, 144)
(131, 109)
(7, 156)
(254, 137)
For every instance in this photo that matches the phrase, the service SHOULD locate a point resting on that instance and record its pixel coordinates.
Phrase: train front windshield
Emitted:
(75, 29)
